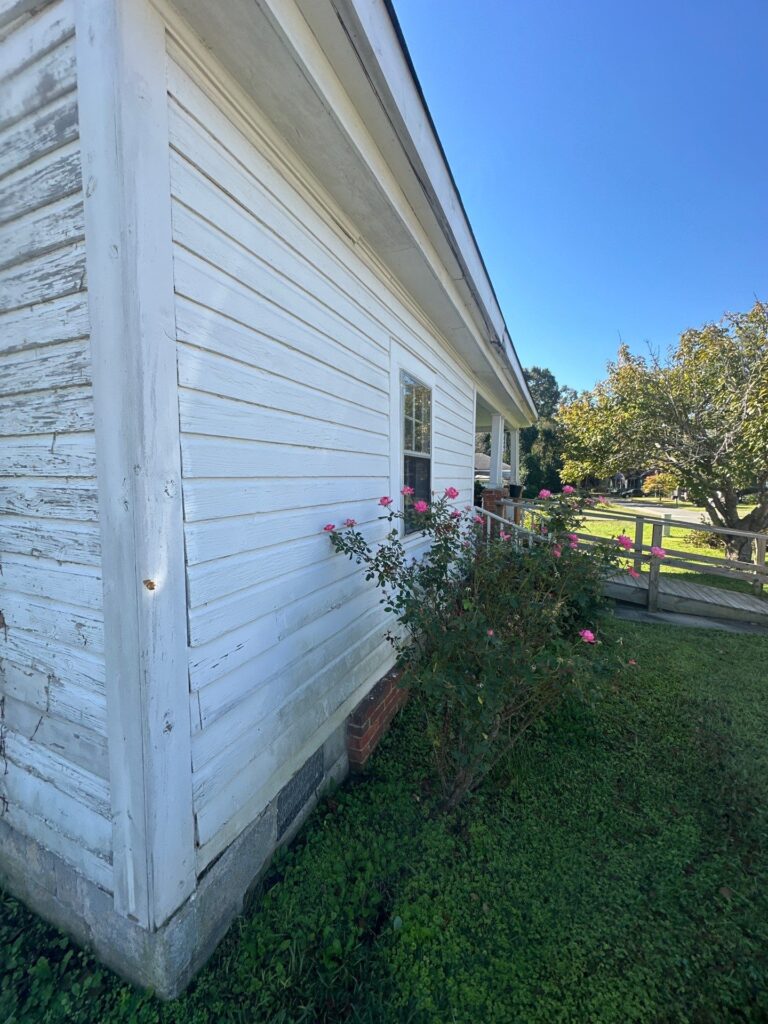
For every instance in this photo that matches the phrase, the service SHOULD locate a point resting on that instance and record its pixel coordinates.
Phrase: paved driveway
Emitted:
(685, 514)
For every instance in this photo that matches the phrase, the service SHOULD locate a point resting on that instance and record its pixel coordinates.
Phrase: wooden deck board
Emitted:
(694, 598)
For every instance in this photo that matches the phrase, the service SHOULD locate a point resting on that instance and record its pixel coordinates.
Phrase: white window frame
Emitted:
(403, 359)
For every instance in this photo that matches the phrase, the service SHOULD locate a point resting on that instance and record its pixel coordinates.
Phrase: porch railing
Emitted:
(529, 516)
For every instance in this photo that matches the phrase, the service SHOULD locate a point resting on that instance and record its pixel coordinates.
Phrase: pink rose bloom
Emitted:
(329, 527)
(573, 540)
(624, 541)
(633, 573)
(631, 661)
(451, 492)
(349, 522)
(587, 636)
(602, 500)
(544, 493)
(455, 514)
(568, 489)
(658, 552)
(385, 501)
(590, 502)
(420, 506)
(478, 519)
(406, 490)
(490, 632)
(505, 536)
(557, 550)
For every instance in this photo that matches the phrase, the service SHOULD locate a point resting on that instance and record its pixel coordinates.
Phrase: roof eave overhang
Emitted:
(352, 110)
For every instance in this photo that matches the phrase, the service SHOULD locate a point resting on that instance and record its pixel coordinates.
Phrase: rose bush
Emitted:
(492, 634)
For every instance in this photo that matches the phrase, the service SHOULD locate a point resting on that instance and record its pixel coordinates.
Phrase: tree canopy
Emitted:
(700, 414)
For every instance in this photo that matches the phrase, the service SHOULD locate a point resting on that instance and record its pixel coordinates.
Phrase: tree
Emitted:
(545, 391)
(541, 445)
(661, 485)
(701, 414)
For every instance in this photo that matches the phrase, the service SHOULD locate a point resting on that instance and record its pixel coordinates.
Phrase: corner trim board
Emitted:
(122, 97)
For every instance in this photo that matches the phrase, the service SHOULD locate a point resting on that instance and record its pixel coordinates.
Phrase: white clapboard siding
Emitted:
(233, 808)
(230, 378)
(55, 321)
(304, 354)
(68, 685)
(255, 325)
(68, 583)
(42, 231)
(269, 674)
(284, 605)
(79, 745)
(39, 134)
(219, 538)
(36, 84)
(284, 346)
(51, 538)
(69, 455)
(58, 366)
(55, 789)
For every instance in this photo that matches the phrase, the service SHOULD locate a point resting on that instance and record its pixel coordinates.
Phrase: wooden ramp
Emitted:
(690, 598)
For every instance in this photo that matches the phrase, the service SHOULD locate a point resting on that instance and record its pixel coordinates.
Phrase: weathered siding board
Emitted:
(47, 276)
(284, 353)
(68, 685)
(69, 583)
(58, 366)
(56, 788)
(43, 231)
(49, 322)
(56, 411)
(50, 538)
(39, 134)
(32, 86)
(69, 455)
(79, 745)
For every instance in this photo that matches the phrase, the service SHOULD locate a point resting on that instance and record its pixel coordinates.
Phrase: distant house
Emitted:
(239, 299)
(483, 467)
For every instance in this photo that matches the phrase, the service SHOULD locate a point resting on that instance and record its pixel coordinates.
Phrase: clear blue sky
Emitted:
(613, 160)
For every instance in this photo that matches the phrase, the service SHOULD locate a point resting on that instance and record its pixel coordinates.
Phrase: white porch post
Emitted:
(495, 478)
(514, 455)
(123, 103)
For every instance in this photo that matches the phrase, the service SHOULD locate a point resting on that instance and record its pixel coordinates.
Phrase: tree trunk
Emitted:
(738, 548)
(723, 511)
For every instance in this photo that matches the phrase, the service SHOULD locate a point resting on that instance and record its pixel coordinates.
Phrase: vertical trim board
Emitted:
(124, 133)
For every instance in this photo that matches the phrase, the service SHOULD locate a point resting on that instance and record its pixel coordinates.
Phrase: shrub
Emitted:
(492, 634)
(705, 539)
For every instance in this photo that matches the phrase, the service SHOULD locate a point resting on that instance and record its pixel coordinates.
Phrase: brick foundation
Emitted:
(372, 717)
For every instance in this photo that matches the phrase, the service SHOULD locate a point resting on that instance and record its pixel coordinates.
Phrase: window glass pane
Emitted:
(417, 429)
(417, 474)
(408, 390)
(408, 435)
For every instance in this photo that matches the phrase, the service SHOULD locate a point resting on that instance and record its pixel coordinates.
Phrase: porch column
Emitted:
(495, 478)
(514, 455)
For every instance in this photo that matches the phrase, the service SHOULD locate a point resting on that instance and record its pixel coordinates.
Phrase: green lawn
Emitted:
(616, 870)
(676, 540)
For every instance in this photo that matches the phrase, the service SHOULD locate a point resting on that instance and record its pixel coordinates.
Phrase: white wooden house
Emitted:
(230, 248)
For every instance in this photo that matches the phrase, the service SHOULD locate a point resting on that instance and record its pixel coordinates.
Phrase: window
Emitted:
(416, 405)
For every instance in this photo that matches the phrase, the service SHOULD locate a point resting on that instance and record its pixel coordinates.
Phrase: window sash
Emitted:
(416, 440)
